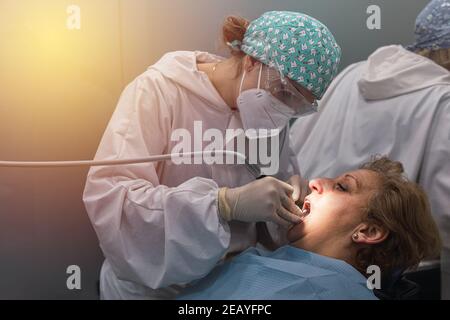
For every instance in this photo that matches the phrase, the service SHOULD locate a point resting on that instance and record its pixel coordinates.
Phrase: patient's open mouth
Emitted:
(306, 208)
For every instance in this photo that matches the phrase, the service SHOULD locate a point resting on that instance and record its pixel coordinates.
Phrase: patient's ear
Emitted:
(369, 233)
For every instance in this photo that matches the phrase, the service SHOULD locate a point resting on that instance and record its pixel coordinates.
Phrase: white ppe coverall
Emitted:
(396, 103)
(158, 223)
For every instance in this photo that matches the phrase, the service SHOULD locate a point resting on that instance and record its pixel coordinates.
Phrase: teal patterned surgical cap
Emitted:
(299, 46)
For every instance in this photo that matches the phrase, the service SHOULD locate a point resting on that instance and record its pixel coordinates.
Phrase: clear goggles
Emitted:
(284, 90)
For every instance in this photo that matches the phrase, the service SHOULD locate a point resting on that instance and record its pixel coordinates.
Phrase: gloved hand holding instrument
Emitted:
(301, 189)
(267, 199)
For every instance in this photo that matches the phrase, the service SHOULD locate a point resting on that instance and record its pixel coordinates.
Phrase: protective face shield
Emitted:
(271, 105)
(282, 89)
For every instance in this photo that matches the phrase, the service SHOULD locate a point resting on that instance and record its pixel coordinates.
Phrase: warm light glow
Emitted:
(55, 80)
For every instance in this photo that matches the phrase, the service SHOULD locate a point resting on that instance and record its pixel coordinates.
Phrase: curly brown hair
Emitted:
(402, 208)
(233, 29)
(440, 56)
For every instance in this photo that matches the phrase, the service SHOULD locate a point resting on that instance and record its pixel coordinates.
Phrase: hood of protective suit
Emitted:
(393, 71)
(181, 68)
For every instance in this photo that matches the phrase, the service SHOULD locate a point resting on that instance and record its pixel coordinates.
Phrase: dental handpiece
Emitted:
(304, 213)
(94, 163)
(252, 168)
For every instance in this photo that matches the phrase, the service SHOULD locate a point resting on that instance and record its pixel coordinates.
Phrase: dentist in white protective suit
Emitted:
(162, 225)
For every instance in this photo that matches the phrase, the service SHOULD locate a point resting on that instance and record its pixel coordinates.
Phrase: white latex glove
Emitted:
(267, 199)
(301, 189)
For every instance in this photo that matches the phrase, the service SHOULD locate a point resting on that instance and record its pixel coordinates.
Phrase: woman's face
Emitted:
(336, 208)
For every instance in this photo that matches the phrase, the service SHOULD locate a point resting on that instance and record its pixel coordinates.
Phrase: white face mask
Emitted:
(259, 109)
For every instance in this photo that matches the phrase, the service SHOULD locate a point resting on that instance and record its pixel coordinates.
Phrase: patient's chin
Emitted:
(296, 232)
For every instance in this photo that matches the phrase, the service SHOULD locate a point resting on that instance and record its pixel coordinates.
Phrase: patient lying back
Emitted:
(371, 216)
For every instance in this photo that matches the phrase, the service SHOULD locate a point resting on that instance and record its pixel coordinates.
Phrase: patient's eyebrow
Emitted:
(358, 184)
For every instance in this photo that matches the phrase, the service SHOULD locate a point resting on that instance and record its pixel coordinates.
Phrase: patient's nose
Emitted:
(320, 185)
(316, 185)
